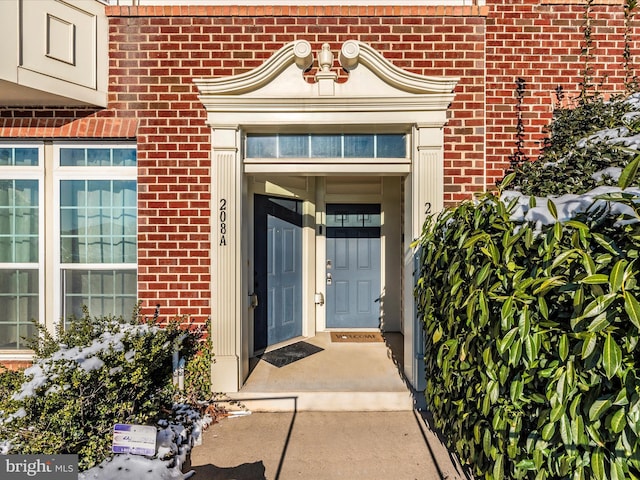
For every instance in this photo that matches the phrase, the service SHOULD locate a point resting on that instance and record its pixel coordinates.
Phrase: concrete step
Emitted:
(322, 401)
(342, 377)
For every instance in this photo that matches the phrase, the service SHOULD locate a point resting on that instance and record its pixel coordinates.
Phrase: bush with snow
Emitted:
(98, 372)
(587, 147)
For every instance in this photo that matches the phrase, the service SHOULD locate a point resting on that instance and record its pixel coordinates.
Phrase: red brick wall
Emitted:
(155, 52)
(14, 364)
(541, 41)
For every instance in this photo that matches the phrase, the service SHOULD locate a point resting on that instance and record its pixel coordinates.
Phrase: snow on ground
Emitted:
(174, 441)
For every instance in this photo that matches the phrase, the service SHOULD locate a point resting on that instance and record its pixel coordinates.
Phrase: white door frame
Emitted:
(276, 96)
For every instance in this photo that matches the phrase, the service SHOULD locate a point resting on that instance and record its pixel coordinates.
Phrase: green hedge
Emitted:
(532, 342)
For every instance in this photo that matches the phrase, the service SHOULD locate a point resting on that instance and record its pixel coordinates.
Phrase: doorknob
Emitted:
(329, 279)
(253, 300)
(319, 298)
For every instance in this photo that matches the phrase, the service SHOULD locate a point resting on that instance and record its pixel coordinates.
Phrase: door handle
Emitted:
(319, 298)
(329, 279)
(253, 300)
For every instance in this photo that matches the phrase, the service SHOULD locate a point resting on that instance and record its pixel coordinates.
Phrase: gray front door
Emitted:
(353, 266)
(278, 276)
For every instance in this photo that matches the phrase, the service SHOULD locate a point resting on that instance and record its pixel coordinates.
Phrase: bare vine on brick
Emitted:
(518, 157)
(587, 52)
(630, 79)
(559, 103)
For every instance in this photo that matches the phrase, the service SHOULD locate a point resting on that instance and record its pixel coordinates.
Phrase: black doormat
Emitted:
(289, 354)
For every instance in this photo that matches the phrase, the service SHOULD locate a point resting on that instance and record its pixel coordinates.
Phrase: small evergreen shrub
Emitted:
(590, 138)
(198, 370)
(532, 355)
(10, 381)
(98, 372)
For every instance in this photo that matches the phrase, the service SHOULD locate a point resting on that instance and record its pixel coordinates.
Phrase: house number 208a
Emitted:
(222, 216)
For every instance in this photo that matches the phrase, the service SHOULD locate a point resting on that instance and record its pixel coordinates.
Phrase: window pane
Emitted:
(104, 292)
(98, 251)
(6, 249)
(6, 157)
(98, 221)
(124, 193)
(294, 146)
(358, 146)
(391, 146)
(129, 252)
(326, 146)
(98, 193)
(72, 193)
(262, 146)
(22, 157)
(26, 249)
(365, 145)
(72, 157)
(124, 222)
(124, 157)
(8, 335)
(26, 193)
(19, 221)
(70, 222)
(353, 215)
(26, 157)
(19, 305)
(98, 157)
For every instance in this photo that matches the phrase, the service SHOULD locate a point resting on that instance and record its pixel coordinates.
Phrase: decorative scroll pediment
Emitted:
(354, 57)
(355, 54)
(295, 53)
(280, 86)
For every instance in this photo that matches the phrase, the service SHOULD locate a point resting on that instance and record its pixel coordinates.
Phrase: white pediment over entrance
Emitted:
(374, 84)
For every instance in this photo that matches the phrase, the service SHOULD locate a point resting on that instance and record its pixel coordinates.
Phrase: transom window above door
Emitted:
(326, 145)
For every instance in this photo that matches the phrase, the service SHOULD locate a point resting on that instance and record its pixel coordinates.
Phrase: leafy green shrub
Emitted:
(10, 381)
(100, 371)
(198, 370)
(532, 337)
(583, 141)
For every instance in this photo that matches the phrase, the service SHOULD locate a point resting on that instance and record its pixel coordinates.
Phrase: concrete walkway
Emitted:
(323, 446)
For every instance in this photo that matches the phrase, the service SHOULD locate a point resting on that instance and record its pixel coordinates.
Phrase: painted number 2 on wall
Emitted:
(223, 222)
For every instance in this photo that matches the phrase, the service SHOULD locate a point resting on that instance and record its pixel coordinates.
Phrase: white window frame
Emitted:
(29, 173)
(61, 173)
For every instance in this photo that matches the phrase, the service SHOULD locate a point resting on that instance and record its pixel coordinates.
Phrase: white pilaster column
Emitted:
(226, 254)
(424, 192)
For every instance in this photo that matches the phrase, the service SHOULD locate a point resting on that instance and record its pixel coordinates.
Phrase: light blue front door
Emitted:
(278, 276)
(353, 266)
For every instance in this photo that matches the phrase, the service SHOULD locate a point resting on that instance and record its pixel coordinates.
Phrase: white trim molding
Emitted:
(277, 97)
